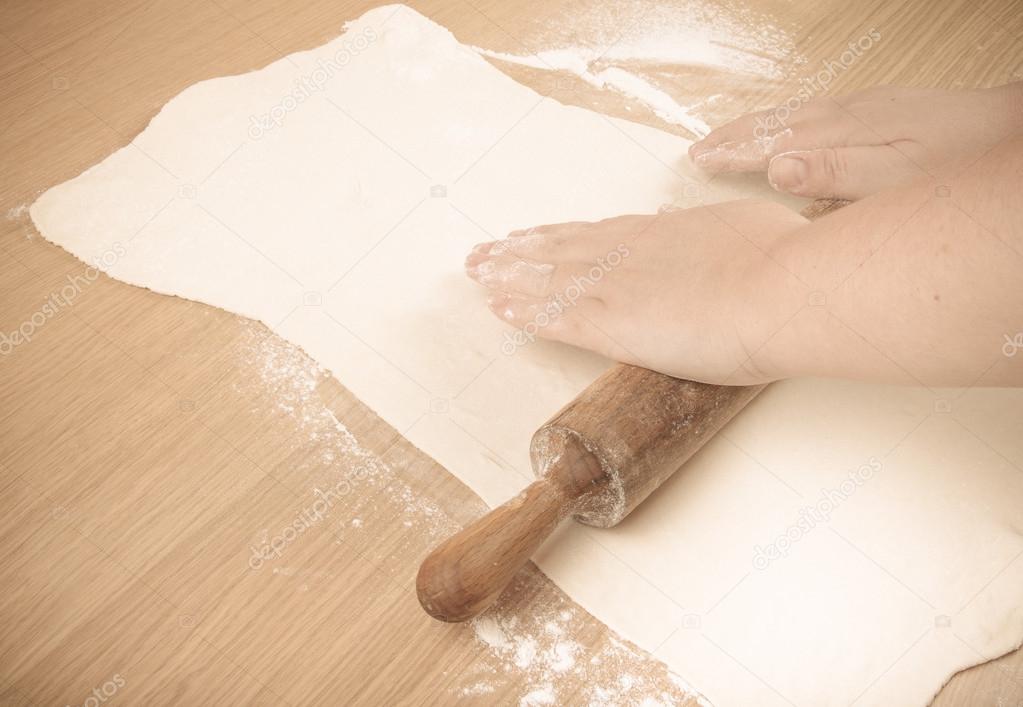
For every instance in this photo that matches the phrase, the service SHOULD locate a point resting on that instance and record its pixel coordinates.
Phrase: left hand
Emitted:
(691, 293)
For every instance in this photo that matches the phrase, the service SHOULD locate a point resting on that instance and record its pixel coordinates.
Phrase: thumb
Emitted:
(841, 172)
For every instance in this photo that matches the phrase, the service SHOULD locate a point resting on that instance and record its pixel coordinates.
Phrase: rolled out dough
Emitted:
(334, 194)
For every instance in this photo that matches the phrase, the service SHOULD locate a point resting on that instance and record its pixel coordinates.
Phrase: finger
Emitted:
(753, 152)
(733, 131)
(841, 172)
(540, 243)
(764, 123)
(568, 228)
(513, 275)
(559, 321)
(536, 248)
(589, 247)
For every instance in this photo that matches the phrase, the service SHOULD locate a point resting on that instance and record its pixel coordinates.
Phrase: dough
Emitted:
(333, 195)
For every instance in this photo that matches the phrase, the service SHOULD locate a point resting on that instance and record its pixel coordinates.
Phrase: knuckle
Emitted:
(535, 247)
(834, 167)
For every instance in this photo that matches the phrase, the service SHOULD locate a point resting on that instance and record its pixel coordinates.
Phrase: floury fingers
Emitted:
(563, 300)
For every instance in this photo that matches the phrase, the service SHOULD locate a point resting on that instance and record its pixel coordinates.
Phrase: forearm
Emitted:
(919, 284)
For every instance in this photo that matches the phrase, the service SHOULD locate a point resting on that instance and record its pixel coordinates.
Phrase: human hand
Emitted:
(691, 293)
(855, 145)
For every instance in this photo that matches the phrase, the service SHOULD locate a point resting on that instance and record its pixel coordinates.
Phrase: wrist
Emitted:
(800, 276)
(769, 304)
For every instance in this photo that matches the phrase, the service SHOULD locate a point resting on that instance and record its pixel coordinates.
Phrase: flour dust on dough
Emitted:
(333, 196)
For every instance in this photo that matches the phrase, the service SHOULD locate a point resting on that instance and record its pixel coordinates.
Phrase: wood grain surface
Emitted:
(148, 443)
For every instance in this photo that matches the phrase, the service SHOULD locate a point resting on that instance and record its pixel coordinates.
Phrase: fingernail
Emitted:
(498, 302)
(477, 255)
(714, 159)
(787, 172)
(480, 271)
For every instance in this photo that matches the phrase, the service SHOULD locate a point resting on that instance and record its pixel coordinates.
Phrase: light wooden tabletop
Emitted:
(147, 443)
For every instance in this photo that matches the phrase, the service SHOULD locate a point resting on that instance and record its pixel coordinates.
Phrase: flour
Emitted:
(476, 689)
(490, 632)
(342, 468)
(541, 696)
(20, 215)
(17, 213)
(629, 84)
(630, 45)
(694, 34)
(536, 648)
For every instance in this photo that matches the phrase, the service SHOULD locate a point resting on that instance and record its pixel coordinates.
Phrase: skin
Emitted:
(918, 282)
(853, 146)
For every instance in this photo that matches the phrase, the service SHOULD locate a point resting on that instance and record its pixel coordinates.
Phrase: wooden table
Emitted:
(147, 442)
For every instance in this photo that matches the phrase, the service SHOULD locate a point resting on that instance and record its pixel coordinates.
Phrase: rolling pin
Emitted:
(596, 460)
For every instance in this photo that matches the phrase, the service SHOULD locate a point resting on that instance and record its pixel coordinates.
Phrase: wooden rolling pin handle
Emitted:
(466, 573)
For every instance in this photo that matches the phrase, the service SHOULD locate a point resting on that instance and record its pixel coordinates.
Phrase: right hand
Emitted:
(852, 146)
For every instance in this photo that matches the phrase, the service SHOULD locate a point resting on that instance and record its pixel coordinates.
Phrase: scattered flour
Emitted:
(532, 643)
(490, 632)
(476, 689)
(17, 213)
(339, 468)
(632, 85)
(541, 696)
(630, 47)
(698, 33)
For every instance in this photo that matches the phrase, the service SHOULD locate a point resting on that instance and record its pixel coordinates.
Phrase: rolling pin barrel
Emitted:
(597, 458)
(641, 427)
